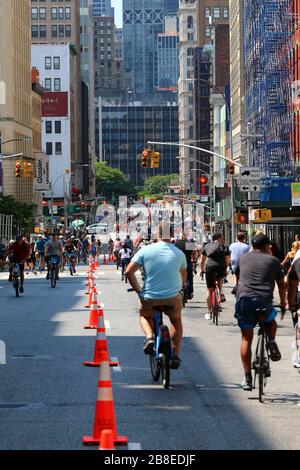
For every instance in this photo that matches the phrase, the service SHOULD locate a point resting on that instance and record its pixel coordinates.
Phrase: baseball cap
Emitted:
(260, 241)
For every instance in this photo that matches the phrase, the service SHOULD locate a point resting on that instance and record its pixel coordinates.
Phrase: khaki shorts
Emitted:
(172, 307)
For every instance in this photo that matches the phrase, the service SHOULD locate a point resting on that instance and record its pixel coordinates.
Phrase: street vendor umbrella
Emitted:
(77, 223)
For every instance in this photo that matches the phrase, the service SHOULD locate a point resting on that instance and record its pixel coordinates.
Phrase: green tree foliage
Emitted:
(23, 213)
(111, 182)
(158, 185)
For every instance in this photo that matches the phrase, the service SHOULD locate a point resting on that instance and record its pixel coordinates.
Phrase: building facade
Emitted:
(296, 78)
(55, 64)
(126, 130)
(167, 55)
(210, 13)
(188, 40)
(55, 23)
(15, 94)
(102, 8)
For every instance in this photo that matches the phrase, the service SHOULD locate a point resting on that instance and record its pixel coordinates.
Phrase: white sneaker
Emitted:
(296, 363)
(207, 316)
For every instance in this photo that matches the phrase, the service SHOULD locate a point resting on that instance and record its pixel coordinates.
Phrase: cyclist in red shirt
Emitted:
(19, 251)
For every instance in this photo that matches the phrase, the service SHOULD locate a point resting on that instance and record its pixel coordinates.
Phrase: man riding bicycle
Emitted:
(19, 252)
(39, 250)
(215, 259)
(165, 270)
(70, 251)
(53, 248)
(257, 273)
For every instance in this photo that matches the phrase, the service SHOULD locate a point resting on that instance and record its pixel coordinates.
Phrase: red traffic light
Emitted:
(203, 179)
(18, 169)
(242, 219)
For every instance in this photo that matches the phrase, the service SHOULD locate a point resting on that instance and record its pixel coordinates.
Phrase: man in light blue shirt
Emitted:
(237, 249)
(165, 272)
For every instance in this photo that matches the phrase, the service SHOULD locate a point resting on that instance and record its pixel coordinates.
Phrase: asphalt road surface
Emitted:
(47, 397)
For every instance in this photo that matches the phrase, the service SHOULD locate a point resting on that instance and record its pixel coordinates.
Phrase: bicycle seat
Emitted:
(262, 314)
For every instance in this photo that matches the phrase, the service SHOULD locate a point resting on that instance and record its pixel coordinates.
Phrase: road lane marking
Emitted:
(134, 446)
(107, 325)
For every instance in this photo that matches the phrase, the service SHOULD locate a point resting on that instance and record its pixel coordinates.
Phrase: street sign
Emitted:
(250, 173)
(251, 203)
(250, 187)
(295, 194)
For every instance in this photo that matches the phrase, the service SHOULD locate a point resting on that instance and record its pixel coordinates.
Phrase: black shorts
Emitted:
(213, 274)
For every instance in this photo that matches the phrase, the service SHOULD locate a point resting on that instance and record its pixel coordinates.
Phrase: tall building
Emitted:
(119, 57)
(296, 78)
(55, 64)
(127, 127)
(167, 55)
(15, 94)
(88, 95)
(143, 21)
(102, 8)
(210, 13)
(188, 40)
(59, 23)
(237, 87)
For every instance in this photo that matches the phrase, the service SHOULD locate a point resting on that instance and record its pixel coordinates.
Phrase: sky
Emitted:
(117, 4)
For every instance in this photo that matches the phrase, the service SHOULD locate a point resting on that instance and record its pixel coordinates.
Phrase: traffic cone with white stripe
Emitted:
(107, 440)
(93, 321)
(101, 350)
(105, 411)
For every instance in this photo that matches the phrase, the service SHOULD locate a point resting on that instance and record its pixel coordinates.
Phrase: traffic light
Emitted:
(241, 218)
(27, 170)
(155, 158)
(203, 180)
(145, 158)
(18, 169)
(232, 169)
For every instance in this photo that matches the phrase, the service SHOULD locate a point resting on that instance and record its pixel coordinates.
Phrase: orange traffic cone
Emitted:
(105, 411)
(89, 284)
(93, 321)
(101, 350)
(107, 440)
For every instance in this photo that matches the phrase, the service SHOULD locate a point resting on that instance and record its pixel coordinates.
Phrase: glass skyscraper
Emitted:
(102, 8)
(143, 21)
(126, 130)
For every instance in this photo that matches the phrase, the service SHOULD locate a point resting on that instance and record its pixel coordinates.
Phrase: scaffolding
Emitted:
(268, 84)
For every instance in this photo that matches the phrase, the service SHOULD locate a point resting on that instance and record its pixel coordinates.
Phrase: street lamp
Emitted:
(52, 191)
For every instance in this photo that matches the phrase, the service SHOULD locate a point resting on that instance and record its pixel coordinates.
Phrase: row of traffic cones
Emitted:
(105, 427)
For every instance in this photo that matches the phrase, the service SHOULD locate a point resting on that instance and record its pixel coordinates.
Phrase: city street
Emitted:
(47, 397)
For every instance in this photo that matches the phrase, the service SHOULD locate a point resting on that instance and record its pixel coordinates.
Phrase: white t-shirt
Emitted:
(125, 254)
(297, 256)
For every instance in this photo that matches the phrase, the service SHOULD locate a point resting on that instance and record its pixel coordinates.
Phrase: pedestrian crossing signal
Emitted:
(232, 169)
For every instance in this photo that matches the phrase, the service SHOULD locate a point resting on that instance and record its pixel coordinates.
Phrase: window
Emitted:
(48, 63)
(68, 31)
(217, 12)
(225, 12)
(54, 13)
(49, 148)
(57, 127)
(61, 13)
(34, 32)
(190, 22)
(58, 148)
(61, 30)
(34, 13)
(190, 37)
(42, 13)
(57, 84)
(48, 127)
(54, 31)
(207, 12)
(56, 63)
(68, 13)
(48, 84)
(43, 31)
(208, 31)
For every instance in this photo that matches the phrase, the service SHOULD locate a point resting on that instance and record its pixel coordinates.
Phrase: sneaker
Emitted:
(223, 298)
(247, 384)
(208, 316)
(149, 346)
(234, 291)
(10, 278)
(296, 363)
(175, 362)
(190, 296)
(21, 290)
(274, 351)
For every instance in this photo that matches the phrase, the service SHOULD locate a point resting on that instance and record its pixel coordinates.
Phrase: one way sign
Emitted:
(250, 203)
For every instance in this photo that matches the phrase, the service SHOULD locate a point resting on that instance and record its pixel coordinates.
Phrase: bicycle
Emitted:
(216, 308)
(55, 261)
(261, 363)
(16, 273)
(71, 261)
(162, 355)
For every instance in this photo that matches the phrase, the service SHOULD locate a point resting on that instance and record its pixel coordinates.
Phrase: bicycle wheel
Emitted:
(17, 286)
(214, 307)
(261, 369)
(155, 367)
(53, 277)
(165, 370)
